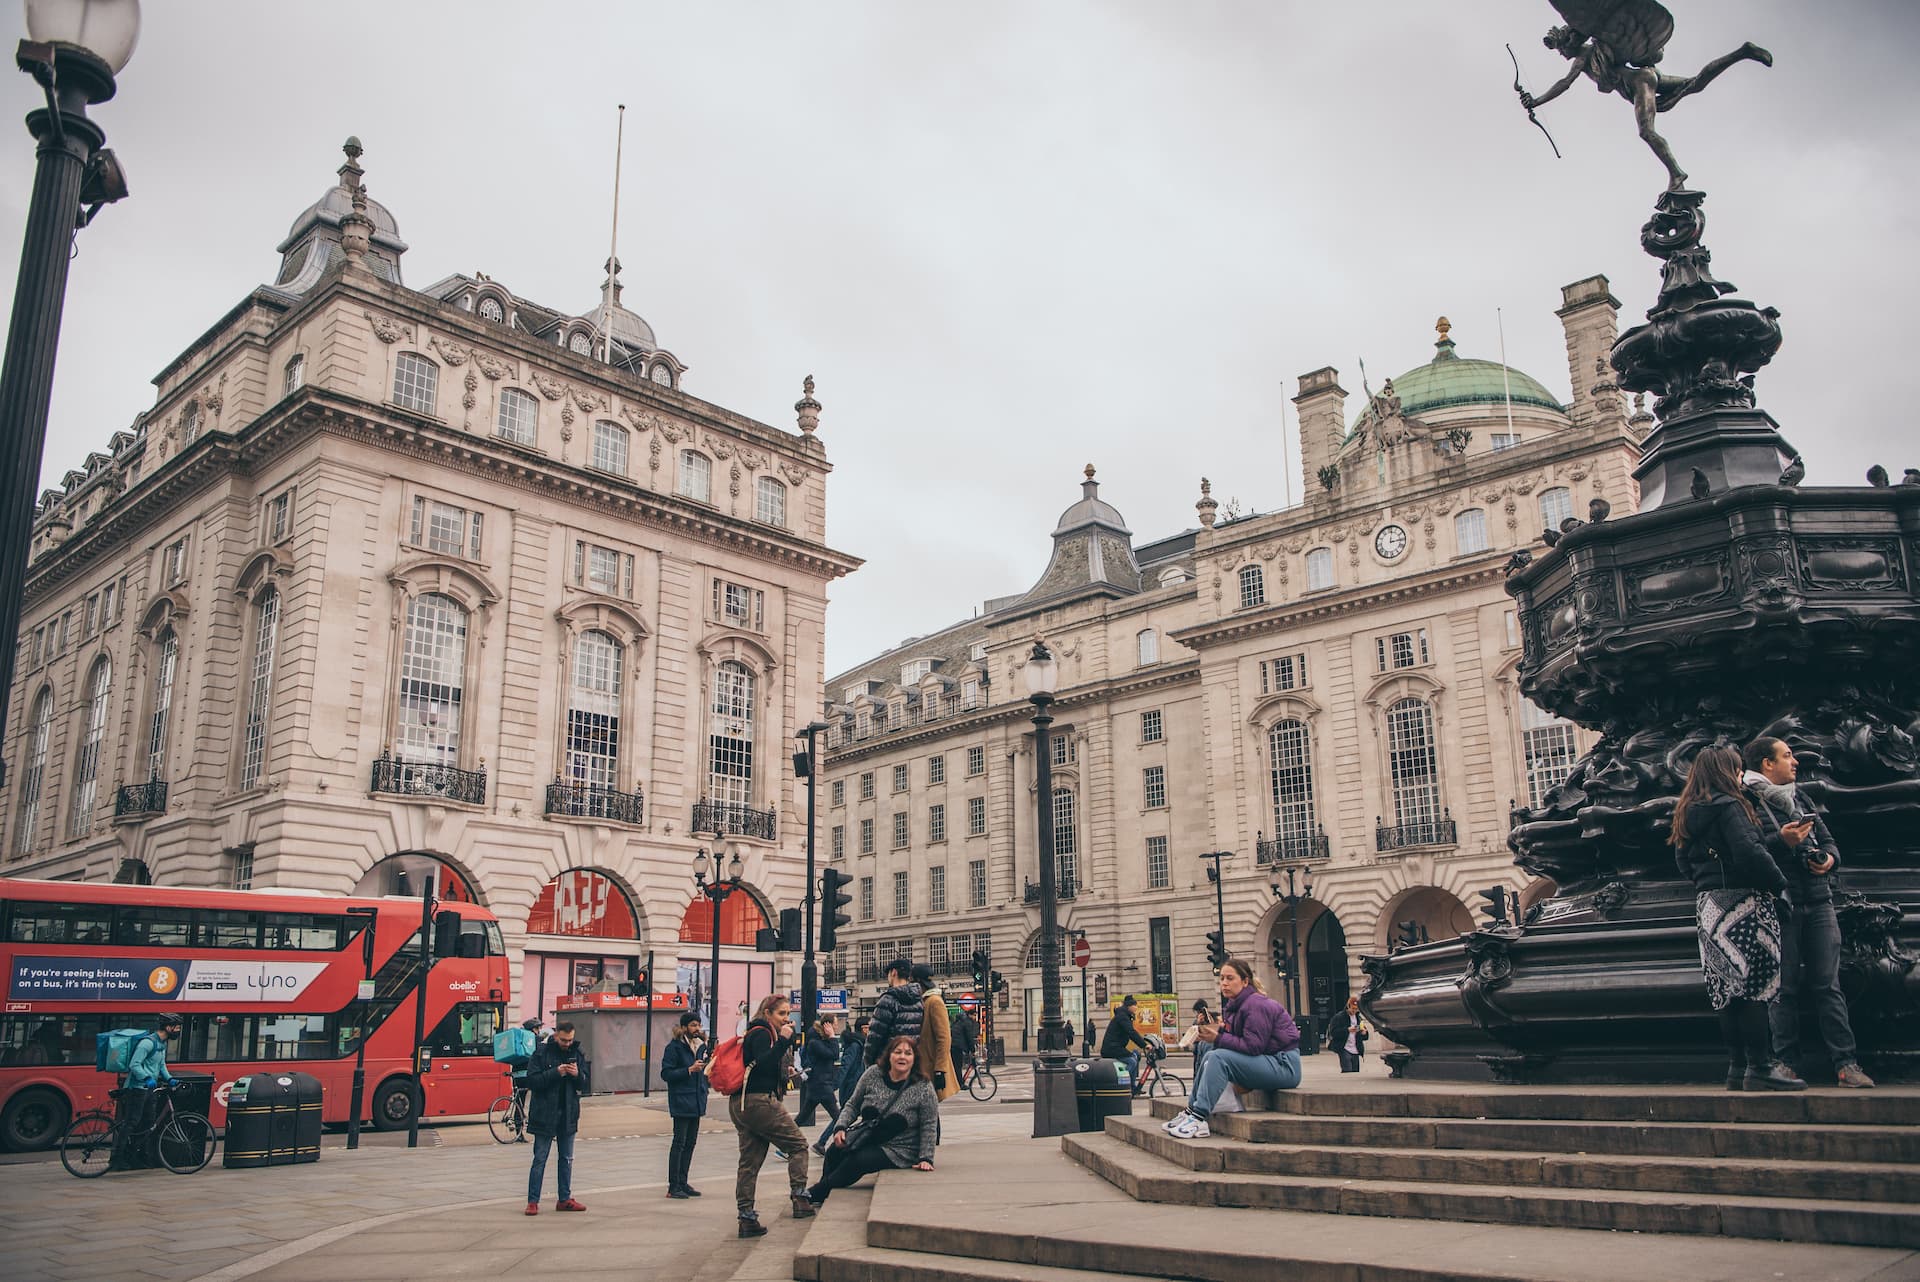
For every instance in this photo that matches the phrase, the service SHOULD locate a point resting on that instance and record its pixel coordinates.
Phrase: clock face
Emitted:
(1390, 542)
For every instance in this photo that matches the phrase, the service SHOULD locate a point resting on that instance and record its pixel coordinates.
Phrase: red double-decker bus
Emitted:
(266, 980)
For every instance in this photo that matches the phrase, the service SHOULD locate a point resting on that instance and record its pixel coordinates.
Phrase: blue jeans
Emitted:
(1132, 1062)
(1200, 1050)
(1810, 963)
(1279, 1071)
(538, 1175)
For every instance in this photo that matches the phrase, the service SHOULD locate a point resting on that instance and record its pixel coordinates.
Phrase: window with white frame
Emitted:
(86, 766)
(866, 785)
(1253, 587)
(1550, 747)
(280, 516)
(976, 816)
(159, 722)
(900, 778)
(900, 834)
(1066, 837)
(1151, 730)
(838, 844)
(1063, 750)
(976, 761)
(190, 422)
(1503, 440)
(739, 606)
(445, 528)
(1410, 757)
(900, 894)
(866, 836)
(1290, 774)
(1153, 787)
(936, 822)
(866, 900)
(1401, 650)
(730, 735)
(1513, 629)
(518, 417)
(913, 669)
(936, 769)
(609, 452)
(1470, 531)
(33, 778)
(593, 711)
(240, 869)
(433, 667)
(770, 502)
(1283, 672)
(839, 792)
(977, 883)
(491, 311)
(1319, 569)
(253, 742)
(1148, 644)
(173, 563)
(1556, 506)
(970, 694)
(696, 477)
(603, 569)
(1159, 876)
(936, 890)
(296, 375)
(416, 383)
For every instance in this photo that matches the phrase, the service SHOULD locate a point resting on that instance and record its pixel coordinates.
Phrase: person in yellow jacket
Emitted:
(936, 1035)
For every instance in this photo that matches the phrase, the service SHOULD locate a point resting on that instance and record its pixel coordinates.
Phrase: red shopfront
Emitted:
(582, 929)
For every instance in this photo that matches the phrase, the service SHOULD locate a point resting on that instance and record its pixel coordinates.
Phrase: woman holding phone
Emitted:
(1191, 1039)
(684, 1067)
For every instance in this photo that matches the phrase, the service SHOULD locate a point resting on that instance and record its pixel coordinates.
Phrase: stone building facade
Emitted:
(394, 582)
(1329, 687)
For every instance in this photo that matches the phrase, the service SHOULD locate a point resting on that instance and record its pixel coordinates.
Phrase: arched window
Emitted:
(296, 375)
(166, 659)
(1253, 587)
(1416, 779)
(1066, 840)
(770, 502)
(86, 766)
(1148, 643)
(40, 729)
(1470, 531)
(1550, 748)
(581, 344)
(1319, 569)
(518, 417)
(696, 476)
(1034, 954)
(189, 422)
(266, 631)
(663, 374)
(1556, 505)
(491, 311)
(433, 665)
(416, 382)
(609, 448)
(1289, 752)
(730, 735)
(593, 712)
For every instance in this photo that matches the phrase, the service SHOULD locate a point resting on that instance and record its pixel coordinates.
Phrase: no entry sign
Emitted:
(1082, 952)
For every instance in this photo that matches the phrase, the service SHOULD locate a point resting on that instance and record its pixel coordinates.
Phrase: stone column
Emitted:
(1590, 314)
(1321, 409)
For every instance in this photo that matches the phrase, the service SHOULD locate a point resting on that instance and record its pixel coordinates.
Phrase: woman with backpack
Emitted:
(758, 1116)
(685, 1069)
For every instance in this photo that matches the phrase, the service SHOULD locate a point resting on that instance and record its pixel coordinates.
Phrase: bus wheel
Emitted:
(32, 1120)
(394, 1104)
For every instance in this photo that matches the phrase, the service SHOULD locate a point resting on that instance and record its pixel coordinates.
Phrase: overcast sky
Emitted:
(1010, 239)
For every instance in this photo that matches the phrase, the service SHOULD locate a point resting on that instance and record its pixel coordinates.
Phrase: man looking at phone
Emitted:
(557, 1076)
(1798, 839)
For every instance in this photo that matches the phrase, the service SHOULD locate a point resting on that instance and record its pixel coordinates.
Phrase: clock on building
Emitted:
(1390, 542)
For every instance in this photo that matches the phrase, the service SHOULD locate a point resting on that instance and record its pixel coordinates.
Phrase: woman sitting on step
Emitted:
(891, 1122)
(1255, 1047)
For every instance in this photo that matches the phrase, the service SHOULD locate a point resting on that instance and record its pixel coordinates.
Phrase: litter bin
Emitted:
(1102, 1088)
(273, 1119)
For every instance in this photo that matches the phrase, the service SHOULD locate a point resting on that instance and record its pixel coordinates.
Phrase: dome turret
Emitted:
(313, 243)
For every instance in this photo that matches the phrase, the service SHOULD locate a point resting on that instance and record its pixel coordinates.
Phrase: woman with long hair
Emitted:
(758, 1116)
(1717, 844)
(1347, 1033)
(1256, 1046)
(891, 1123)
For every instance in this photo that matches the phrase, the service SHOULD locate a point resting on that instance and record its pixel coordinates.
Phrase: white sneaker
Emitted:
(1191, 1127)
(1175, 1120)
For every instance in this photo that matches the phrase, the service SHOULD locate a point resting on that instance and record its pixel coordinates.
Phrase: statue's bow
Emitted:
(1523, 99)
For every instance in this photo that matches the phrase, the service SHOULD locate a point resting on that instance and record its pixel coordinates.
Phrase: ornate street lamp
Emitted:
(73, 49)
(1292, 895)
(709, 882)
(1054, 1110)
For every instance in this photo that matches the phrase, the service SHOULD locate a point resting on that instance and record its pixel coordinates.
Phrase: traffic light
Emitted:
(1217, 948)
(1496, 897)
(834, 899)
(981, 963)
(1280, 957)
(997, 982)
(791, 938)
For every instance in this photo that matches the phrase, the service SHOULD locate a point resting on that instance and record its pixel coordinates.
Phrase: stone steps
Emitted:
(1885, 1107)
(1147, 1177)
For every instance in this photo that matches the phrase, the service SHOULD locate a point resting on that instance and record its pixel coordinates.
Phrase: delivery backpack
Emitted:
(113, 1049)
(728, 1071)
(513, 1046)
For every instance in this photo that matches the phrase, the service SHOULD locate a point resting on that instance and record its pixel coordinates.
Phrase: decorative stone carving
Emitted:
(795, 474)
(551, 388)
(452, 353)
(492, 366)
(386, 330)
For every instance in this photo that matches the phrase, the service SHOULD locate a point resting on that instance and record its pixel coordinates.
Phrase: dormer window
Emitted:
(491, 311)
(663, 374)
(580, 344)
(913, 669)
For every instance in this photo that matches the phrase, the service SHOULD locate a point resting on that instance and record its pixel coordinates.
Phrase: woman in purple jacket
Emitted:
(1255, 1047)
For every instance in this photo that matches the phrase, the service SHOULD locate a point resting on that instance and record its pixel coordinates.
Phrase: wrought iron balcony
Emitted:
(1288, 849)
(591, 801)
(1064, 888)
(149, 798)
(1424, 832)
(732, 819)
(423, 779)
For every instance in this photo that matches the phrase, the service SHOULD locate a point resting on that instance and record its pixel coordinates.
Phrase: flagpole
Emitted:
(613, 242)
(1506, 383)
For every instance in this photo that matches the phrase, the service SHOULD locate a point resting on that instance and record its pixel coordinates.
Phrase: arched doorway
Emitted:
(1320, 986)
(411, 872)
(582, 929)
(1423, 915)
(743, 978)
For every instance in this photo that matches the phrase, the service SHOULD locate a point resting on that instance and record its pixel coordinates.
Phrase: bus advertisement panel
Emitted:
(263, 980)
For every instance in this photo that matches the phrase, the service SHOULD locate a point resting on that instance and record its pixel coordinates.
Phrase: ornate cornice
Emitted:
(1276, 618)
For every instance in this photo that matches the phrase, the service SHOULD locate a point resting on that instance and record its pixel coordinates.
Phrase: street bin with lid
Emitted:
(1102, 1088)
(273, 1119)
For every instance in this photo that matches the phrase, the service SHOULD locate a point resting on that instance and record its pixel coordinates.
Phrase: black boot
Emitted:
(750, 1226)
(1730, 1034)
(1764, 1072)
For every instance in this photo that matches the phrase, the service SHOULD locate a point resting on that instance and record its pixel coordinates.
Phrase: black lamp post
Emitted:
(1293, 896)
(807, 764)
(716, 890)
(372, 916)
(1054, 1110)
(73, 49)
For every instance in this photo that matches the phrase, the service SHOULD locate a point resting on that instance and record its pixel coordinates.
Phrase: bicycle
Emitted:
(183, 1142)
(507, 1118)
(1155, 1080)
(980, 1081)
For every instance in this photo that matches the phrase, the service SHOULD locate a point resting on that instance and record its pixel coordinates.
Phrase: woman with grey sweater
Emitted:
(890, 1123)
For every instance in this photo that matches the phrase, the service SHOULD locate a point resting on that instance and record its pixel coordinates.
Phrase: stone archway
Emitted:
(1422, 915)
(1323, 980)
(410, 871)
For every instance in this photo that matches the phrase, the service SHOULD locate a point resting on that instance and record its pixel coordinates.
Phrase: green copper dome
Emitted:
(1449, 380)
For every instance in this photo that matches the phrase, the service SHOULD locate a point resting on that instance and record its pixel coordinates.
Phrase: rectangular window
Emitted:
(605, 570)
(280, 516)
(866, 836)
(869, 959)
(296, 376)
(1066, 837)
(1150, 729)
(416, 382)
(770, 502)
(937, 890)
(1063, 750)
(976, 816)
(1288, 672)
(91, 618)
(242, 873)
(970, 694)
(1149, 645)
(1470, 532)
(899, 778)
(1556, 506)
(913, 669)
(1550, 748)
(443, 527)
(1154, 787)
(1513, 629)
(1158, 875)
(900, 894)
(1319, 569)
(109, 604)
(609, 448)
(1402, 650)
(739, 605)
(977, 883)
(839, 846)
(866, 900)
(866, 786)
(173, 563)
(899, 829)
(839, 792)
(1503, 440)
(976, 761)
(936, 770)
(936, 823)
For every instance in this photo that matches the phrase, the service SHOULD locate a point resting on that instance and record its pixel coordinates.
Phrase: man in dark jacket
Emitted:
(1121, 1037)
(557, 1076)
(853, 1062)
(898, 1013)
(1805, 851)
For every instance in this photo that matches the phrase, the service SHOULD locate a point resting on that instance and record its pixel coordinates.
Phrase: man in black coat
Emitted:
(1120, 1039)
(557, 1076)
(898, 1013)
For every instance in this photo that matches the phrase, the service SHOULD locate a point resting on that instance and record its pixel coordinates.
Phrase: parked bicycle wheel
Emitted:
(86, 1149)
(1169, 1085)
(185, 1143)
(505, 1120)
(982, 1086)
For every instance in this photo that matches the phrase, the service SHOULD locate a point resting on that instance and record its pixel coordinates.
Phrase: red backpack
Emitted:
(727, 1071)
